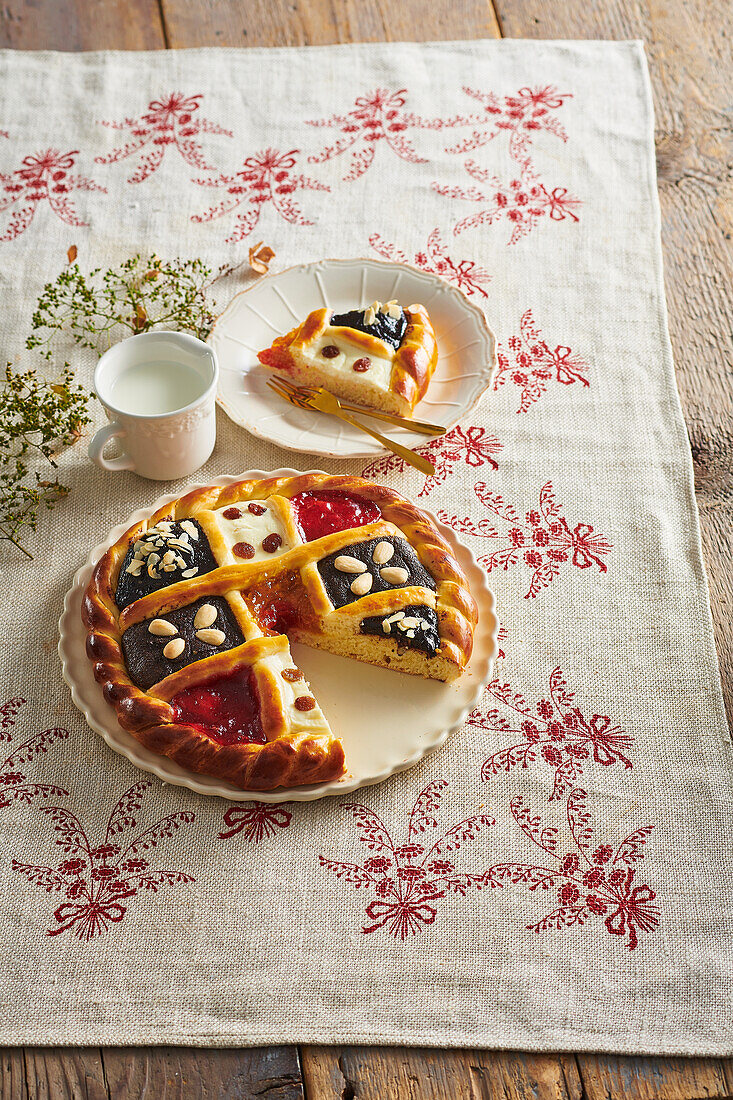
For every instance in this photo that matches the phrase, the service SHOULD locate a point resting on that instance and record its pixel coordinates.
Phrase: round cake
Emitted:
(190, 615)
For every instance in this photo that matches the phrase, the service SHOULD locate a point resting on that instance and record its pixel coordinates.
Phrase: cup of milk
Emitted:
(158, 390)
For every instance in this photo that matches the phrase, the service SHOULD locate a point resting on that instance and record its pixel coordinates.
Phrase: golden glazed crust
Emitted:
(413, 362)
(289, 758)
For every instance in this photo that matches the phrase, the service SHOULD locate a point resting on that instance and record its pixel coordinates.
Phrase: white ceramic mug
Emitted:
(159, 391)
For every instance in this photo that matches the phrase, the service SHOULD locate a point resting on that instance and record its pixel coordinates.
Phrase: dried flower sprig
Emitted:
(140, 294)
(37, 418)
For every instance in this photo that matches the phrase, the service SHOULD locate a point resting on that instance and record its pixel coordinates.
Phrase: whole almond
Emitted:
(383, 551)
(346, 564)
(393, 574)
(174, 649)
(162, 628)
(362, 584)
(205, 616)
(211, 636)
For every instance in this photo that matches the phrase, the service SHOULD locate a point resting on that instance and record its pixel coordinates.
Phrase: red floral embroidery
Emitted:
(520, 116)
(96, 880)
(376, 116)
(523, 202)
(472, 445)
(14, 784)
(554, 730)
(543, 542)
(43, 177)
(535, 365)
(410, 879)
(526, 199)
(466, 274)
(584, 890)
(265, 177)
(172, 121)
(256, 820)
(501, 637)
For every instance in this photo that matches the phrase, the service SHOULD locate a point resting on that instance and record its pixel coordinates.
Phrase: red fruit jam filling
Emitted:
(280, 604)
(321, 512)
(226, 709)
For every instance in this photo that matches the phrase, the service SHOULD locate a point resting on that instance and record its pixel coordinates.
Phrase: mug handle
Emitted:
(100, 441)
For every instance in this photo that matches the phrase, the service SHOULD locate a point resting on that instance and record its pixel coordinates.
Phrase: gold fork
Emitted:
(421, 426)
(327, 403)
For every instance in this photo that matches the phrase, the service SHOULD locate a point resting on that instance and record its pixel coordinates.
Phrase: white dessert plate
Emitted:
(277, 303)
(387, 721)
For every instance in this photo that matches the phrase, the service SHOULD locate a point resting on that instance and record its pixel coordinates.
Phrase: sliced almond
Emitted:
(383, 551)
(346, 564)
(174, 649)
(134, 567)
(205, 616)
(162, 628)
(188, 573)
(190, 529)
(211, 636)
(362, 584)
(394, 574)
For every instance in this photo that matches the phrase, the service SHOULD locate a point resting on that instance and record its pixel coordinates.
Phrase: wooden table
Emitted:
(690, 45)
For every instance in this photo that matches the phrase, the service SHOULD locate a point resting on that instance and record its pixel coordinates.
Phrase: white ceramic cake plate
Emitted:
(387, 721)
(277, 303)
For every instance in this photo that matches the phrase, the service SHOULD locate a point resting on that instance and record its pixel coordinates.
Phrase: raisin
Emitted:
(231, 513)
(305, 702)
(243, 550)
(330, 351)
(291, 675)
(271, 543)
(362, 364)
(256, 509)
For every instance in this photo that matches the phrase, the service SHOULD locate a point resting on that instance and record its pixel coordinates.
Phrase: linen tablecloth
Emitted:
(558, 875)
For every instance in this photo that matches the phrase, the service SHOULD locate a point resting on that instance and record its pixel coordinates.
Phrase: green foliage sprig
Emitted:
(37, 419)
(140, 294)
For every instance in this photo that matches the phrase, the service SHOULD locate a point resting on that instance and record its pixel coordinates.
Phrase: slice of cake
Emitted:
(382, 356)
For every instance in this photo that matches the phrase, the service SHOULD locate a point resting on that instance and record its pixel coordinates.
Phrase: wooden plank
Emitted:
(12, 1075)
(384, 1073)
(177, 1073)
(321, 22)
(81, 25)
(652, 1078)
(689, 46)
(59, 1074)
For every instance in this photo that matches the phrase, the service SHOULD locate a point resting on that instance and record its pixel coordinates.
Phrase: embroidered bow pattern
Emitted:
(592, 880)
(536, 365)
(465, 274)
(255, 821)
(265, 177)
(43, 177)
(543, 542)
(554, 730)
(377, 117)
(97, 880)
(410, 879)
(526, 199)
(168, 122)
(14, 784)
(472, 445)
